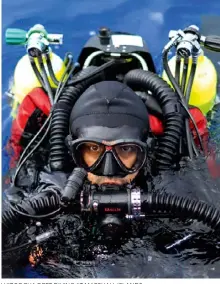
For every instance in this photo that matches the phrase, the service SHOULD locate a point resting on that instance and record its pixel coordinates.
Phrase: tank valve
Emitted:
(104, 32)
(36, 39)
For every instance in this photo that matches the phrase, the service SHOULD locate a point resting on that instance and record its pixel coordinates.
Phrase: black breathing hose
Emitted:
(172, 206)
(177, 77)
(186, 89)
(37, 73)
(183, 85)
(177, 69)
(189, 139)
(182, 207)
(171, 108)
(180, 94)
(46, 81)
(60, 118)
(184, 74)
(50, 69)
(30, 208)
(47, 200)
(187, 96)
(103, 67)
(190, 82)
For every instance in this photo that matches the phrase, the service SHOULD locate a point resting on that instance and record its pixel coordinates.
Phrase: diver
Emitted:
(106, 112)
(108, 132)
(109, 137)
(129, 111)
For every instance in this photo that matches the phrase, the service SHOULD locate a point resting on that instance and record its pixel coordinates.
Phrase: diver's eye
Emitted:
(127, 149)
(94, 148)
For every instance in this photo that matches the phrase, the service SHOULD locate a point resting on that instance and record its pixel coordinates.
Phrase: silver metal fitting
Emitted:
(175, 37)
(85, 206)
(55, 38)
(37, 44)
(188, 45)
(44, 236)
(95, 206)
(136, 201)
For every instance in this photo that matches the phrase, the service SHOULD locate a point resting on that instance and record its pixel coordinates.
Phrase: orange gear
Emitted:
(35, 255)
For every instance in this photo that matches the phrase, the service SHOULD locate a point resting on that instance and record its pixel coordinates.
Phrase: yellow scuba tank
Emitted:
(25, 79)
(36, 41)
(204, 88)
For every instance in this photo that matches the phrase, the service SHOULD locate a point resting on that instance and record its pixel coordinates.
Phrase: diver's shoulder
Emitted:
(52, 178)
(32, 180)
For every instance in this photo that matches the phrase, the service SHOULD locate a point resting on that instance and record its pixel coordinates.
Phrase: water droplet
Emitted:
(149, 258)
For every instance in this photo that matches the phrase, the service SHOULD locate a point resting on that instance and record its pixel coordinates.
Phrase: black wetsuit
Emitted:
(189, 181)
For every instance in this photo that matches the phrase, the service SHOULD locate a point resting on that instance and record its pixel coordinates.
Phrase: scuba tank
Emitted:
(193, 77)
(195, 74)
(37, 42)
(204, 87)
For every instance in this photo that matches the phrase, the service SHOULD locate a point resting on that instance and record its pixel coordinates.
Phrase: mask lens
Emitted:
(90, 152)
(130, 155)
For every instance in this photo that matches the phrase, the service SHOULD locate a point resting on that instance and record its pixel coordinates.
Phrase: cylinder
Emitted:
(204, 88)
(25, 79)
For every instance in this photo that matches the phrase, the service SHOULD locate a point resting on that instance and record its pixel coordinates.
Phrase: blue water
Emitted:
(77, 19)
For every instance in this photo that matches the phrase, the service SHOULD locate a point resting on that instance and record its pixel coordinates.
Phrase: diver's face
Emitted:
(91, 152)
(100, 180)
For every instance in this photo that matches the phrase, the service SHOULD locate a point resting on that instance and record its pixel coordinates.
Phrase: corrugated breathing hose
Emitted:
(171, 108)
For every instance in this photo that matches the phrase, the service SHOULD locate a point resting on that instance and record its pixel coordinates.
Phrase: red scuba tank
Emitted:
(157, 128)
(31, 114)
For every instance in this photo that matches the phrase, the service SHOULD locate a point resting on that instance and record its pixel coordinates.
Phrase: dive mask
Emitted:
(103, 158)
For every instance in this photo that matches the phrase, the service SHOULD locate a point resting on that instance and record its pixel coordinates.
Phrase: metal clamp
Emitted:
(136, 201)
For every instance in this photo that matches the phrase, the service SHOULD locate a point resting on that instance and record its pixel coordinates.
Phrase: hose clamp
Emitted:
(85, 202)
(136, 202)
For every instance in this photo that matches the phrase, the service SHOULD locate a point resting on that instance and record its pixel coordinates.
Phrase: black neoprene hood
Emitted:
(109, 104)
